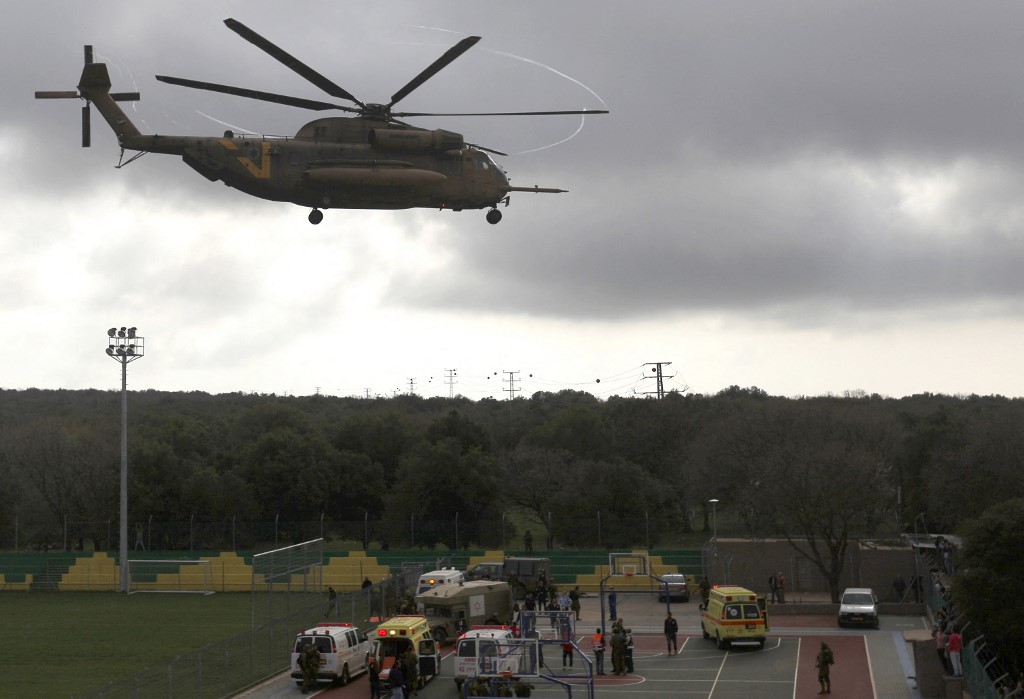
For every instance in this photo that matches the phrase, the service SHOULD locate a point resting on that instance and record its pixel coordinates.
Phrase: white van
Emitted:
(343, 652)
(445, 576)
(488, 651)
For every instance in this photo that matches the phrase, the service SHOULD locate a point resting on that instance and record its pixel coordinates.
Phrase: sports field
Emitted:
(59, 643)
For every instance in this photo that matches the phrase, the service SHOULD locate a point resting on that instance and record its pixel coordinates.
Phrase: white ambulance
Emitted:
(343, 652)
(489, 651)
(444, 576)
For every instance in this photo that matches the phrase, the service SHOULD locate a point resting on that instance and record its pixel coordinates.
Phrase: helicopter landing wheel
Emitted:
(316, 216)
(493, 216)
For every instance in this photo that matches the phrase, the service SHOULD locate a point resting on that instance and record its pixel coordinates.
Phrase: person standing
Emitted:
(410, 668)
(567, 651)
(899, 588)
(823, 662)
(309, 661)
(773, 588)
(597, 644)
(629, 651)
(940, 647)
(671, 629)
(618, 653)
(613, 600)
(955, 647)
(332, 602)
(574, 601)
(780, 582)
(705, 590)
(373, 672)
(528, 541)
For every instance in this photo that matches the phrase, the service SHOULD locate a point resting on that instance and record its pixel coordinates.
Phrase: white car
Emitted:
(858, 606)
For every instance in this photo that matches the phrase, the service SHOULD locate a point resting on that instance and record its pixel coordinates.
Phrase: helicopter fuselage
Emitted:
(344, 163)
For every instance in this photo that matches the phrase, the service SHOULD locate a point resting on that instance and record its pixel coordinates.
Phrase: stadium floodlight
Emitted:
(122, 353)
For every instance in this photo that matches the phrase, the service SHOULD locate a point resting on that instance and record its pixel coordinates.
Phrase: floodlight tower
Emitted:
(123, 346)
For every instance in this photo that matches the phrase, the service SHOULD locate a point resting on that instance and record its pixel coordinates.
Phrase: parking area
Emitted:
(868, 663)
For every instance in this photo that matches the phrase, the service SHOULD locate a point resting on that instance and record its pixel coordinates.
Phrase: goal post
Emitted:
(170, 575)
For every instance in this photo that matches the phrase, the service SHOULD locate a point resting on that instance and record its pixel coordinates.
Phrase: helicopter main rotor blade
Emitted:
(574, 111)
(431, 70)
(291, 61)
(299, 102)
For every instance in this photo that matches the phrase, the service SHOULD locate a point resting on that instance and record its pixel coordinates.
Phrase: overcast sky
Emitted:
(808, 197)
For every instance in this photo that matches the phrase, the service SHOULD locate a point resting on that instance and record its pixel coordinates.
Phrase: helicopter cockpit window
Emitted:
(482, 162)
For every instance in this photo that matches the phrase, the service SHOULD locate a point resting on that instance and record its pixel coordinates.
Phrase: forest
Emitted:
(247, 471)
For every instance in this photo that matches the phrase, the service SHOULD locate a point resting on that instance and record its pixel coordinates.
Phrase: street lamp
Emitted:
(123, 346)
(714, 518)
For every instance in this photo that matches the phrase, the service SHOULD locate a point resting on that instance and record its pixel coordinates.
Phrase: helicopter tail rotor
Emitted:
(86, 113)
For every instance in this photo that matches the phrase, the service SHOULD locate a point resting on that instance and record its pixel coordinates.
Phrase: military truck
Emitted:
(452, 609)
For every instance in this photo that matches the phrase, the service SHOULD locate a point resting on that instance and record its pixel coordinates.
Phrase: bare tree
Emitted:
(818, 477)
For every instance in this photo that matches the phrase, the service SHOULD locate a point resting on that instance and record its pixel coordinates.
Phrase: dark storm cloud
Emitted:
(802, 160)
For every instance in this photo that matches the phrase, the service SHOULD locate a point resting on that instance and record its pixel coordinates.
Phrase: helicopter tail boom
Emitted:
(95, 87)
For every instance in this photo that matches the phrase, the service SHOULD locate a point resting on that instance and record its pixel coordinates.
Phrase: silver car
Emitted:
(676, 587)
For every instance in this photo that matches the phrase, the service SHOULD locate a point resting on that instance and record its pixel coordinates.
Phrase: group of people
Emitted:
(949, 646)
(548, 598)
(622, 650)
(403, 677)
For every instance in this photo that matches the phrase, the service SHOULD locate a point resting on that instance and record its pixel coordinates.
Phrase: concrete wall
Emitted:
(750, 562)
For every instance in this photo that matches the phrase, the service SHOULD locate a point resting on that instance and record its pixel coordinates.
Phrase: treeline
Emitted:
(578, 470)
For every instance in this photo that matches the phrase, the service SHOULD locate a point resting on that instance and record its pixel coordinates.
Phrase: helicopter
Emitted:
(371, 160)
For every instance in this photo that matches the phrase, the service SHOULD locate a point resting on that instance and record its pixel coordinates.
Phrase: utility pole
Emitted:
(449, 378)
(656, 367)
(512, 381)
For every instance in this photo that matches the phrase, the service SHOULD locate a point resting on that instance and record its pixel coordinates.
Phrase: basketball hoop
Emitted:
(629, 574)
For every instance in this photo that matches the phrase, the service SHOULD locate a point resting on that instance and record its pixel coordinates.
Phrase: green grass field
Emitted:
(53, 644)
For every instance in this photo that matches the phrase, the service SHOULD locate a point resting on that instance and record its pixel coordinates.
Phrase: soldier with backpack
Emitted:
(309, 662)
(824, 661)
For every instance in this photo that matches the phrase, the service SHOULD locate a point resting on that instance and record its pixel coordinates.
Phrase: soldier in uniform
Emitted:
(574, 601)
(618, 652)
(629, 651)
(705, 590)
(410, 667)
(823, 662)
(309, 661)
